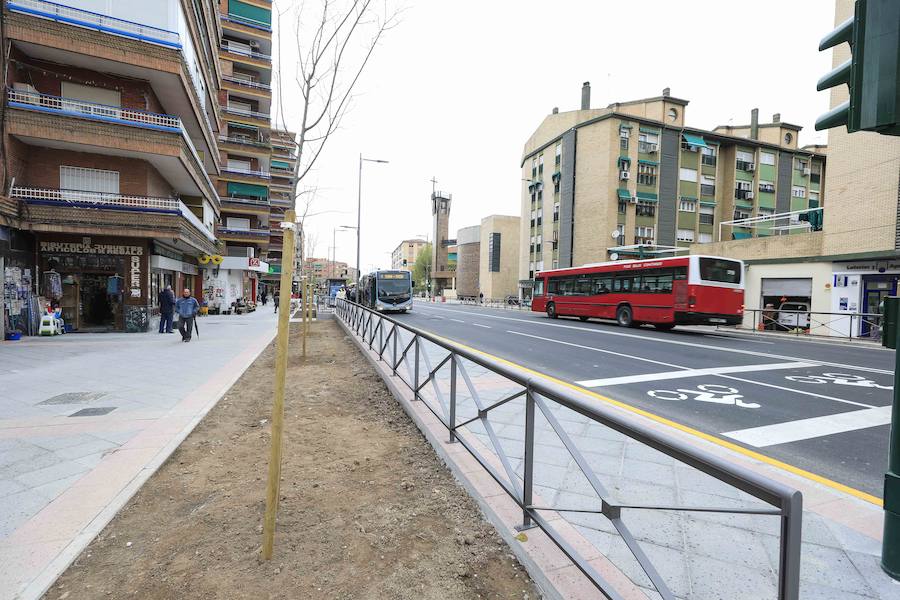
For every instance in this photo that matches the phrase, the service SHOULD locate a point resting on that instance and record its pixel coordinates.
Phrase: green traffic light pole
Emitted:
(890, 546)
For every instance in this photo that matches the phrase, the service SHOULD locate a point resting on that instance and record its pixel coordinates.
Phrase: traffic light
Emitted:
(871, 74)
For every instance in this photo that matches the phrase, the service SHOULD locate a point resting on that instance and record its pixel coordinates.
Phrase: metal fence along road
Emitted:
(798, 322)
(460, 387)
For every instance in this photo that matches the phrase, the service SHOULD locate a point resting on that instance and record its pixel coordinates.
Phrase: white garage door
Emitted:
(788, 286)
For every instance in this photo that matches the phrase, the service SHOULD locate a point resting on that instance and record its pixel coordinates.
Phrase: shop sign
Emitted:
(253, 262)
(879, 266)
(135, 278)
(85, 246)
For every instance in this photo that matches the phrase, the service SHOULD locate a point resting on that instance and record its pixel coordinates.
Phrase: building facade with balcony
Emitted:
(111, 155)
(633, 173)
(403, 257)
(282, 197)
(844, 270)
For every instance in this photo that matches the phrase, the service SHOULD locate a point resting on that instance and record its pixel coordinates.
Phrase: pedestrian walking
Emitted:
(480, 297)
(275, 297)
(187, 308)
(265, 296)
(166, 309)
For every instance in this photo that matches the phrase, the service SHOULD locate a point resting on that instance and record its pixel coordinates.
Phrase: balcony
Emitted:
(91, 20)
(258, 236)
(61, 210)
(248, 114)
(247, 173)
(707, 190)
(66, 124)
(233, 19)
(232, 50)
(256, 86)
(741, 194)
(245, 143)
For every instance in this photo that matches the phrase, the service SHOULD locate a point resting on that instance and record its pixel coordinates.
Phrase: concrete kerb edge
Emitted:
(551, 587)
(39, 586)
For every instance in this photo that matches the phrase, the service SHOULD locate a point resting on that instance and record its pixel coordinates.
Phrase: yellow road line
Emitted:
(683, 428)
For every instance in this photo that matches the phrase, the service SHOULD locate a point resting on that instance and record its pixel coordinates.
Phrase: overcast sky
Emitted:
(455, 90)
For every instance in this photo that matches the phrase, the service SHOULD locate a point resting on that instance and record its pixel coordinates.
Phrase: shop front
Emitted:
(234, 279)
(100, 283)
(860, 288)
(19, 310)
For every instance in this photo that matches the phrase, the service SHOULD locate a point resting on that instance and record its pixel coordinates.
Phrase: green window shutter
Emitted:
(646, 196)
(624, 194)
(280, 164)
(694, 140)
(249, 11)
(247, 189)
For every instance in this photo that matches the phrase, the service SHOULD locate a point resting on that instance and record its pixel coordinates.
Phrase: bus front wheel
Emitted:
(551, 310)
(625, 317)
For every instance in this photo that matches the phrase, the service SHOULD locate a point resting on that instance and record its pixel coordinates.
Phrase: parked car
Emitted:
(793, 315)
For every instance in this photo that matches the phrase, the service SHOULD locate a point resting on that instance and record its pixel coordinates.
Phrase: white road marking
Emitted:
(796, 391)
(806, 429)
(663, 340)
(592, 383)
(786, 389)
(480, 325)
(458, 320)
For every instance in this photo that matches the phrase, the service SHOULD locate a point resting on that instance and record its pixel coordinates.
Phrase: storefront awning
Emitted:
(247, 189)
(624, 194)
(694, 140)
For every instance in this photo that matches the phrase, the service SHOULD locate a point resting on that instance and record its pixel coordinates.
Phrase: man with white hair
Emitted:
(187, 308)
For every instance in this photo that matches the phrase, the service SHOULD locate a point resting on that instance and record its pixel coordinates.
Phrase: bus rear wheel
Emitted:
(625, 317)
(551, 310)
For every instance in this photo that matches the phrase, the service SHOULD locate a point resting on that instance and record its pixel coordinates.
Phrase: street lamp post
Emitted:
(359, 211)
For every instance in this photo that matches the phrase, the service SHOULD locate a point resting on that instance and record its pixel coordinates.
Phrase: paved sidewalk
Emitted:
(85, 419)
(700, 555)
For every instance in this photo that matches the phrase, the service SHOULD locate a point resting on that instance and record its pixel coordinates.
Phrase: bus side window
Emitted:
(583, 286)
(603, 284)
(623, 283)
(680, 273)
(567, 286)
(538, 287)
(553, 286)
(664, 283)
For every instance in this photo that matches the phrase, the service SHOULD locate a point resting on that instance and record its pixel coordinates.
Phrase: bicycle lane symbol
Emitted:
(838, 379)
(716, 394)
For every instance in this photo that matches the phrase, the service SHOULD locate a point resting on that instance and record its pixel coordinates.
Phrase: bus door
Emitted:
(680, 290)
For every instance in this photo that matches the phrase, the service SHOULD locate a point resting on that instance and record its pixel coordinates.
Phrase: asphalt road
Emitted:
(821, 406)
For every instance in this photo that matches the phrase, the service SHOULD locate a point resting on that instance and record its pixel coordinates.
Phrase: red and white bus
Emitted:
(664, 292)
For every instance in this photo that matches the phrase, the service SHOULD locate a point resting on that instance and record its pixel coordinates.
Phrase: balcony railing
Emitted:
(238, 200)
(261, 233)
(248, 53)
(232, 18)
(257, 85)
(195, 221)
(79, 108)
(92, 20)
(244, 141)
(707, 190)
(87, 199)
(242, 112)
(247, 172)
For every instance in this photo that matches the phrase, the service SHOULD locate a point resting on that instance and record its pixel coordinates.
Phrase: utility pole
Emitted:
(273, 484)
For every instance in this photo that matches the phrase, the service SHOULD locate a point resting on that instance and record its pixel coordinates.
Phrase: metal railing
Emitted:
(812, 323)
(253, 201)
(242, 112)
(91, 110)
(244, 141)
(85, 18)
(194, 220)
(383, 336)
(247, 83)
(95, 199)
(248, 53)
(245, 232)
(232, 18)
(248, 172)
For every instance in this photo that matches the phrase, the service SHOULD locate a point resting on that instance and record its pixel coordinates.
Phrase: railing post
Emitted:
(789, 563)
(850, 331)
(416, 369)
(452, 397)
(528, 479)
(394, 352)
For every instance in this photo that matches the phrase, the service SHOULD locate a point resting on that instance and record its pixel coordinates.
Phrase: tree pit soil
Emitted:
(367, 510)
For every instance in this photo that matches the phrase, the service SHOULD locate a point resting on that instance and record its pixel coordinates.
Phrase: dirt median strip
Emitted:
(367, 510)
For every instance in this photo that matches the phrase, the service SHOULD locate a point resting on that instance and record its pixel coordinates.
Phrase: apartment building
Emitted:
(323, 268)
(246, 146)
(634, 173)
(403, 257)
(844, 270)
(110, 156)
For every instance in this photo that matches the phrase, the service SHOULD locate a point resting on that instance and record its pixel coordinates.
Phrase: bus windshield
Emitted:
(717, 269)
(391, 285)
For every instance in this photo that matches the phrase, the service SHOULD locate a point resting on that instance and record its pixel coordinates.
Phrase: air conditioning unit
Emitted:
(692, 148)
(749, 195)
(806, 172)
(751, 166)
(623, 175)
(632, 200)
(651, 148)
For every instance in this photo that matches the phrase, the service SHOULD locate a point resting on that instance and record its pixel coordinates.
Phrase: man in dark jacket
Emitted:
(166, 309)
(187, 308)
